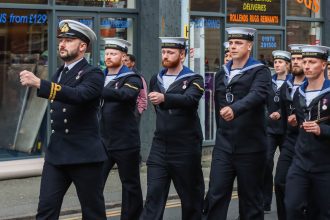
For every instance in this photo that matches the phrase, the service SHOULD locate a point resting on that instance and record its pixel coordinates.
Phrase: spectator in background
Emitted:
(141, 102)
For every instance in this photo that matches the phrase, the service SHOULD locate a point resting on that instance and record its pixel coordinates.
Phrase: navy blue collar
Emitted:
(185, 72)
(250, 64)
(124, 71)
(325, 87)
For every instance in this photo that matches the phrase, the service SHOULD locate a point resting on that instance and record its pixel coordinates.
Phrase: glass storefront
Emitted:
(205, 59)
(266, 44)
(99, 3)
(205, 5)
(303, 32)
(23, 46)
(305, 8)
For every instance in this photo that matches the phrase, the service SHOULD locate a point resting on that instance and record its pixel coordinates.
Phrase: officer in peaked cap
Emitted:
(119, 127)
(175, 153)
(276, 126)
(240, 149)
(75, 153)
(308, 177)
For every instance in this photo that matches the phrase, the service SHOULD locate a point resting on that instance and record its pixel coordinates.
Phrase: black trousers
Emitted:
(249, 170)
(274, 141)
(184, 169)
(306, 190)
(129, 174)
(56, 180)
(283, 164)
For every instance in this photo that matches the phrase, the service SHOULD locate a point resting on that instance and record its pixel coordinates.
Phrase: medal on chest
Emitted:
(324, 104)
(79, 74)
(116, 85)
(184, 84)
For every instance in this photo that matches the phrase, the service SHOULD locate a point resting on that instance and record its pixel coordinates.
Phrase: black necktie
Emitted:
(63, 73)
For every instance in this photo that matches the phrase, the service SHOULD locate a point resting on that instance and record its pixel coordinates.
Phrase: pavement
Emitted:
(19, 197)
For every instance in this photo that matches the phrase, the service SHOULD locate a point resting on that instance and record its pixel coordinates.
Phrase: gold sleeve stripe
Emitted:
(51, 91)
(199, 87)
(57, 88)
(133, 87)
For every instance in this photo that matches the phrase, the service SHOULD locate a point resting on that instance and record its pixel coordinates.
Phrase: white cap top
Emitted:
(75, 29)
(328, 59)
(315, 51)
(282, 54)
(241, 33)
(226, 45)
(173, 42)
(296, 48)
(116, 43)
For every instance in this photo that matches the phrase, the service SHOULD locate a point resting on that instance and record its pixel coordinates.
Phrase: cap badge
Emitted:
(65, 28)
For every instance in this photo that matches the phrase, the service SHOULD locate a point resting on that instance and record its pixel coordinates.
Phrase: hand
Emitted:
(227, 113)
(292, 120)
(275, 116)
(312, 127)
(156, 98)
(27, 78)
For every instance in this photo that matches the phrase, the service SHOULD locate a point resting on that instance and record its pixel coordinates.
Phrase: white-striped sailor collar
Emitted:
(290, 81)
(124, 71)
(185, 72)
(274, 78)
(325, 88)
(250, 64)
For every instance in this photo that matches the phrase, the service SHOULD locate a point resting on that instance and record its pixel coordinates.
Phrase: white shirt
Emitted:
(310, 95)
(233, 73)
(70, 66)
(168, 80)
(108, 78)
(294, 89)
(279, 83)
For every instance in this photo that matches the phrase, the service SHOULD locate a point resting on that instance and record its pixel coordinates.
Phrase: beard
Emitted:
(297, 71)
(170, 64)
(69, 55)
(112, 64)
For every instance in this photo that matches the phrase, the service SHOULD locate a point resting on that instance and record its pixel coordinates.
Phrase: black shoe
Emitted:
(267, 209)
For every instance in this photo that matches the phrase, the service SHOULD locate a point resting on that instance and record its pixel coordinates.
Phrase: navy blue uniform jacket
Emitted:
(74, 106)
(277, 127)
(119, 126)
(313, 152)
(246, 133)
(177, 121)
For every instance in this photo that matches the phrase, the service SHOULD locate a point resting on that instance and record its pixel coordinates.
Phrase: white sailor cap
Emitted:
(281, 54)
(116, 43)
(75, 29)
(296, 48)
(315, 51)
(241, 33)
(226, 45)
(173, 42)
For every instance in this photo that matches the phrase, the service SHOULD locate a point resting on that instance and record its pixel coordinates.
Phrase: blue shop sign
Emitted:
(12, 18)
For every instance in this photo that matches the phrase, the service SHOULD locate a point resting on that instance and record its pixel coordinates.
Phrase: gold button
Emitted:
(51, 111)
(65, 121)
(64, 109)
(51, 121)
(51, 101)
(53, 131)
(66, 131)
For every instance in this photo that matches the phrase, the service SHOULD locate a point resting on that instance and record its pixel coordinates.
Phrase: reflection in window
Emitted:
(25, 2)
(118, 28)
(304, 9)
(99, 3)
(88, 21)
(267, 43)
(205, 5)
(299, 32)
(23, 45)
(205, 43)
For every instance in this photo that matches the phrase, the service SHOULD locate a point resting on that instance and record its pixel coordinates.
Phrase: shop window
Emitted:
(25, 2)
(99, 3)
(266, 12)
(205, 59)
(206, 5)
(118, 28)
(23, 46)
(266, 44)
(304, 8)
(300, 32)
